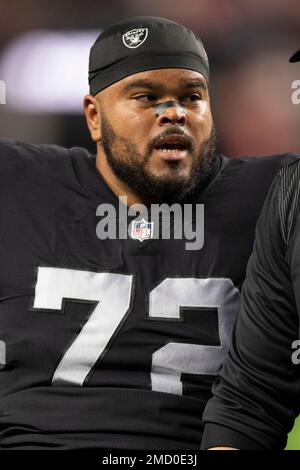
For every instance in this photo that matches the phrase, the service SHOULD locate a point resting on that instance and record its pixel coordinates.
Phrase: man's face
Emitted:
(163, 154)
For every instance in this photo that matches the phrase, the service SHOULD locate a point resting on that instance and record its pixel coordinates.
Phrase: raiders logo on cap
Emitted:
(135, 37)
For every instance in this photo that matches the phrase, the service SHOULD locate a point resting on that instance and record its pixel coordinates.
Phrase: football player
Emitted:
(256, 398)
(114, 342)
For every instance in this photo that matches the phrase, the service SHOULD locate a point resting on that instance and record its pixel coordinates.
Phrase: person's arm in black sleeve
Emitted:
(256, 398)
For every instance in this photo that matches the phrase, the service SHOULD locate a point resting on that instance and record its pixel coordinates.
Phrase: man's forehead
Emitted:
(162, 77)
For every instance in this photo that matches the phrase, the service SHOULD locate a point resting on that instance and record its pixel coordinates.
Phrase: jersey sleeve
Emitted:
(256, 397)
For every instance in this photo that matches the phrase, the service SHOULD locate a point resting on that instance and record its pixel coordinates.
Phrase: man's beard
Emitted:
(131, 167)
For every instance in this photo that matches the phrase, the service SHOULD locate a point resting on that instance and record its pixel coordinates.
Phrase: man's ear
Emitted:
(92, 111)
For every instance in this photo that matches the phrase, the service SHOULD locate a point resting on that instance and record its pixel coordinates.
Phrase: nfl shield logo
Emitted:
(141, 230)
(135, 37)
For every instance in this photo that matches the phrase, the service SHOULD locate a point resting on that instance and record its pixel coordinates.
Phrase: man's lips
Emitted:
(175, 140)
(171, 154)
(173, 147)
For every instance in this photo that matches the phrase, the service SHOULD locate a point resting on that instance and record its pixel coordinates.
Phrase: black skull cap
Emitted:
(295, 57)
(143, 43)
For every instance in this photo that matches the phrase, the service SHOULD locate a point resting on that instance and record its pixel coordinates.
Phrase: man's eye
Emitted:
(192, 98)
(146, 98)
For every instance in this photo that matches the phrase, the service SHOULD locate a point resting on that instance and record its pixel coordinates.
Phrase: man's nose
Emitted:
(170, 112)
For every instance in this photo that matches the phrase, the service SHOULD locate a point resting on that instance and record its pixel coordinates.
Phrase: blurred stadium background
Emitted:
(44, 55)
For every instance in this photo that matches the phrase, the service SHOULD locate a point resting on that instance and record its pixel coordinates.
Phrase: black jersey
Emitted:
(257, 396)
(113, 343)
